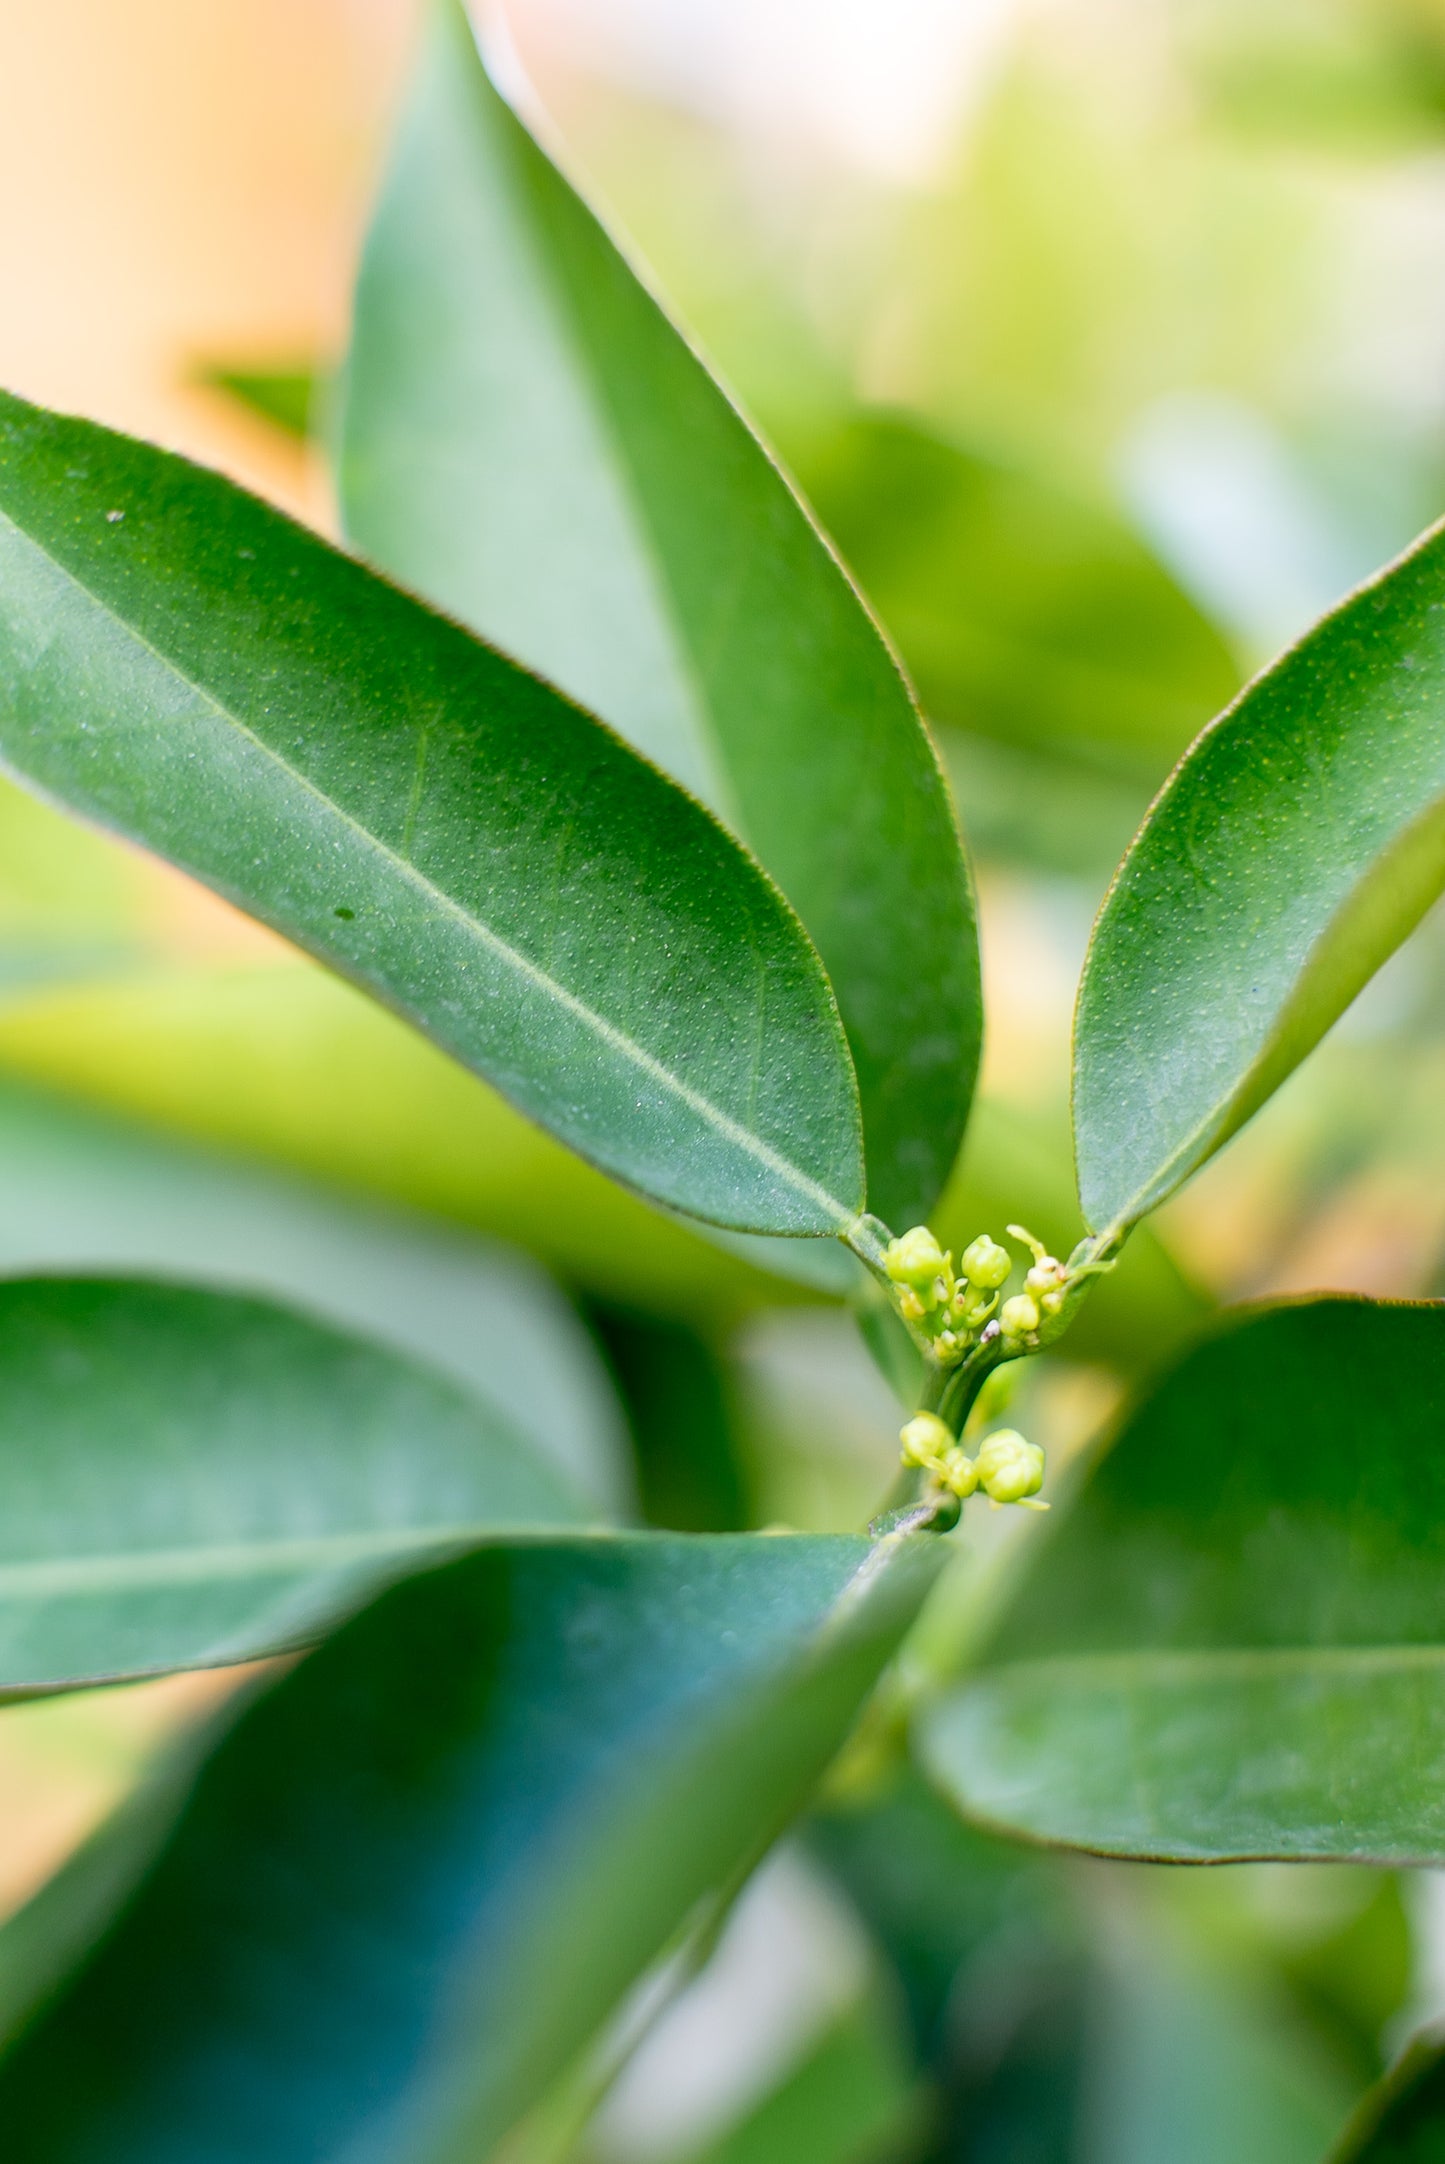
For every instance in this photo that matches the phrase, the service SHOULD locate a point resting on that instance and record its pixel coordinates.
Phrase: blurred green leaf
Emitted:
(1042, 809)
(424, 1865)
(284, 396)
(363, 775)
(288, 1063)
(1402, 2120)
(1199, 2069)
(528, 440)
(87, 1196)
(989, 1955)
(675, 1391)
(1022, 611)
(1299, 843)
(189, 1479)
(1233, 1643)
(1361, 76)
(848, 2102)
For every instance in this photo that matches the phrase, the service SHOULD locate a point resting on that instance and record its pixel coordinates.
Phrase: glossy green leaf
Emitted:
(424, 1865)
(1023, 612)
(1301, 839)
(86, 1196)
(1233, 1643)
(185, 665)
(287, 1063)
(1402, 2121)
(188, 1478)
(529, 441)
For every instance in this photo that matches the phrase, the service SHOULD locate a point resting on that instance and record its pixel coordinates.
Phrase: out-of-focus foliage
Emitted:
(1024, 612)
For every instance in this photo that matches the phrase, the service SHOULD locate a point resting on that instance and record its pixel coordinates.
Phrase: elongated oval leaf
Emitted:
(88, 1196)
(1301, 839)
(1234, 1644)
(185, 665)
(425, 1864)
(528, 440)
(188, 1478)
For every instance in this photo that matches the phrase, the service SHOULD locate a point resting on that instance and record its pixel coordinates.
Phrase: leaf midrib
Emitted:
(616, 1039)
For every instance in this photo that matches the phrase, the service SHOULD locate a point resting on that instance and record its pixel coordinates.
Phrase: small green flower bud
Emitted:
(985, 1264)
(1008, 1468)
(960, 1474)
(925, 1440)
(1019, 1317)
(1034, 1245)
(916, 1259)
(1047, 1275)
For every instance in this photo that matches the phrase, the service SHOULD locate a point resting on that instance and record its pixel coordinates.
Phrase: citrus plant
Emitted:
(592, 765)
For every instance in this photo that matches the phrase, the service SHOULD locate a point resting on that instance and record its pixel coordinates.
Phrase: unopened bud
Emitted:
(1019, 1317)
(960, 1474)
(985, 1264)
(1009, 1469)
(1047, 1275)
(915, 1259)
(925, 1440)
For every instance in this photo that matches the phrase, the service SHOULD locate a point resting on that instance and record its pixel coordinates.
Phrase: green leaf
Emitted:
(186, 666)
(1233, 1645)
(284, 396)
(529, 441)
(1300, 841)
(1024, 613)
(690, 1453)
(425, 1864)
(286, 1062)
(848, 2101)
(1402, 2120)
(88, 1196)
(1196, 2061)
(188, 1479)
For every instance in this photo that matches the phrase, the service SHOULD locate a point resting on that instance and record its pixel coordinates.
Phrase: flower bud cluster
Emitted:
(1006, 1468)
(1025, 1321)
(945, 1310)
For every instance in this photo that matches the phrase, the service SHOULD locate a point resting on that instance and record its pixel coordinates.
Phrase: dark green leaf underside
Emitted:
(185, 665)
